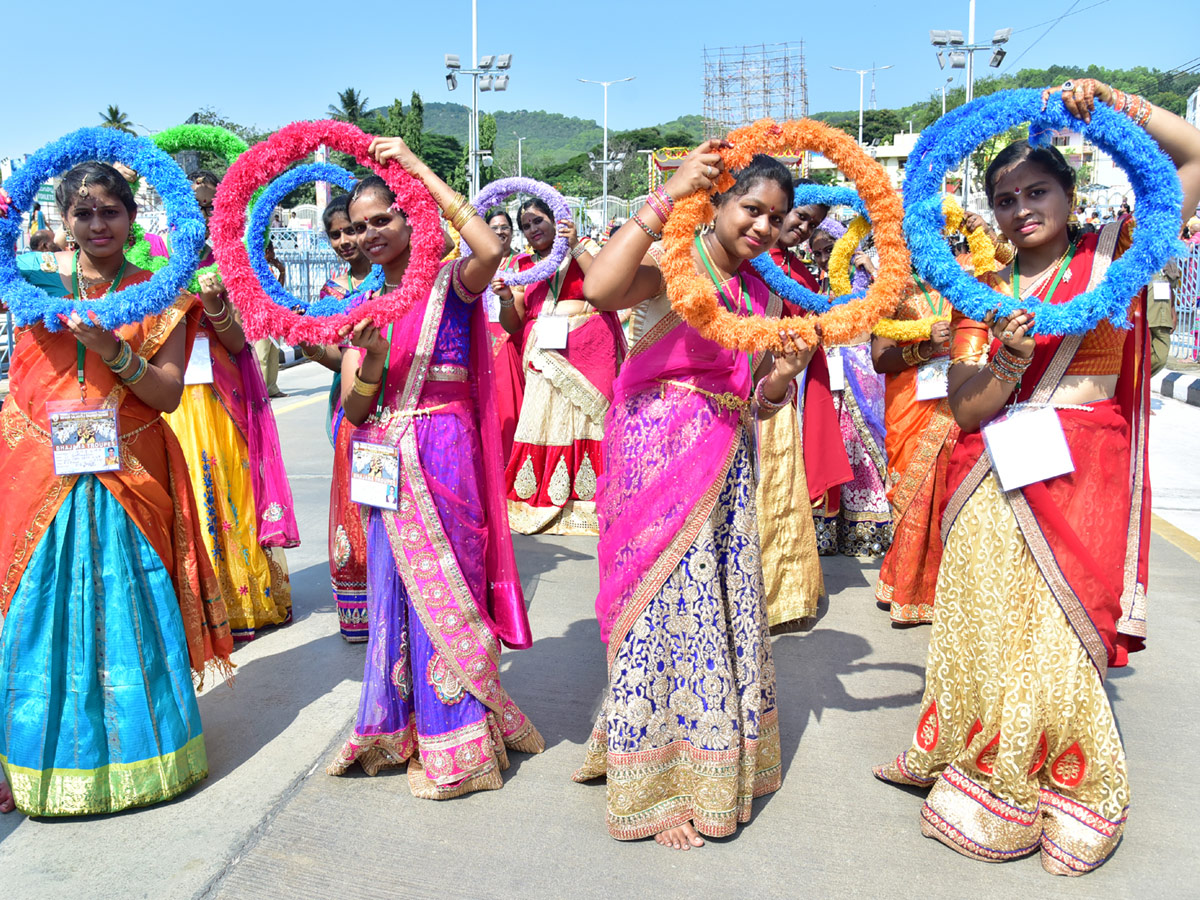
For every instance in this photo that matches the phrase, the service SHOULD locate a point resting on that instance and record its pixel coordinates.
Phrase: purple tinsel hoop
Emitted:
(502, 190)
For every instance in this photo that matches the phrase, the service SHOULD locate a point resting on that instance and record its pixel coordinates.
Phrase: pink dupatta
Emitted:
(465, 634)
(668, 451)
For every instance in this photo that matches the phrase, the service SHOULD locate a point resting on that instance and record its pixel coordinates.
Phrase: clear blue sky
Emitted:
(271, 63)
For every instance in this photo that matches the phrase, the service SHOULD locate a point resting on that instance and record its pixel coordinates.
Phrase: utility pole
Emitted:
(604, 161)
(861, 75)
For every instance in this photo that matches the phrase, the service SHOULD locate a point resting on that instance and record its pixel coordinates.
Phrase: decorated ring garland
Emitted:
(842, 255)
(694, 298)
(983, 261)
(779, 281)
(30, 304)
(502, 190)
(260, 223)
(203, 138)
(1156, 187)
(260, 315)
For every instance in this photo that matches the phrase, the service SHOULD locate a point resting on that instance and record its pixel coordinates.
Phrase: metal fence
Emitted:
(307, 258)
(1185, 340)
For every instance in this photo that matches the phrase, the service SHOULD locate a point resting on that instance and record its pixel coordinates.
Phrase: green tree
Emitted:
(393, 122)
(414, 125)
(113, 117)
(352, 107)
(444, 154)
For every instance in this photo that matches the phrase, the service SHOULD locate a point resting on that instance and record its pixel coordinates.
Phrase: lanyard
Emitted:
(387, 363)
(76, 294)
(728, 301)
(1057, 277)
(937, 311)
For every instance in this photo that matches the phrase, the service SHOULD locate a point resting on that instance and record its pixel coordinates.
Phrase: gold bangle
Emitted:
(463, 216)
(366, 389)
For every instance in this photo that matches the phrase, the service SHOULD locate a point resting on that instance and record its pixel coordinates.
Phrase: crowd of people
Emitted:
(586, 405)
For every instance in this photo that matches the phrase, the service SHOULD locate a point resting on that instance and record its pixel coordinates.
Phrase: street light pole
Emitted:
(948, 80)
(520, 141)
(473, 139)
(604, 159)
(862, 73)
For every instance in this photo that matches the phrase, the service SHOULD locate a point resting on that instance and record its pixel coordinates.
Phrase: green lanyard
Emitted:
(386, 365)
(76, 294)
(1057, 277)
(727, 300)
(937, 311)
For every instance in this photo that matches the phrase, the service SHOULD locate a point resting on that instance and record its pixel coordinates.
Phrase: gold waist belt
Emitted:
(725, 400)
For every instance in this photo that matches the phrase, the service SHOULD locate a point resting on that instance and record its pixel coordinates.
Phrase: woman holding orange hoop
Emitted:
(688, 734)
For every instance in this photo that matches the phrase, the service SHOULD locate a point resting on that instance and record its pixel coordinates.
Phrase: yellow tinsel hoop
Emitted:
(456, 250)
(983, 251)
(903, 331)
(841, 255)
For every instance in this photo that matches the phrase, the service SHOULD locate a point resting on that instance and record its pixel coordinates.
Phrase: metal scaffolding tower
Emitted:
(742, 84)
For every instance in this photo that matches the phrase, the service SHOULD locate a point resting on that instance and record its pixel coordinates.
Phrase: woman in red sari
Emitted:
(1043, 587)
(567, 373)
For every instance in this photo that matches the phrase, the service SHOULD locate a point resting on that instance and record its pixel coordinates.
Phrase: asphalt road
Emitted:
(268, 822)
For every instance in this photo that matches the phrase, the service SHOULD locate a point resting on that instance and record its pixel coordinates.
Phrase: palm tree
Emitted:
(352, 106)
(114, 118)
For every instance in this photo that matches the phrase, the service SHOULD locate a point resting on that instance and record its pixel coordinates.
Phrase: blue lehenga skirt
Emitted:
(95, 684)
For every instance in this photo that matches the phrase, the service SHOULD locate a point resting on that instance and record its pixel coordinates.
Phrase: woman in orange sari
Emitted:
(919, 436)
(110, 603)
(1043, 587)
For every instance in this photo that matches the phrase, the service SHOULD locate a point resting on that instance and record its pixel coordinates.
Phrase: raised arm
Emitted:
(486, 254)
(619, 277)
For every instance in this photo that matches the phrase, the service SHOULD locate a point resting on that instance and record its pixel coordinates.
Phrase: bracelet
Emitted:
(507, 304)
(662, 200)
(579, 249)
(911, 354)
(654, 235)
(1007, 367)
(320, 354)
(124, 354)
(365, 388)
(138, 373)
(760, 396)
(459, 212)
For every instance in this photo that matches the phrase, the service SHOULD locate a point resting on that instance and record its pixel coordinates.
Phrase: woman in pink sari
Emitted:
(688, 735)
(569, 357)
(442, 584)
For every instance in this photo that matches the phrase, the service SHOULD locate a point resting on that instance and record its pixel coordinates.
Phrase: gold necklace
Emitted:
(1041, 281)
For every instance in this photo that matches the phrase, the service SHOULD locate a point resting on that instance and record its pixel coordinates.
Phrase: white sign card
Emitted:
(837, 368)
(1162, 290)
(199, 368)
(374, 474)
(1026, 446)
(552, 332)
(933, 379)
(84, 437)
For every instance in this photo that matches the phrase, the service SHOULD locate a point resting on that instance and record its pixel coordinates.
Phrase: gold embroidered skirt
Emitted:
(1016, 736)
(689, 731)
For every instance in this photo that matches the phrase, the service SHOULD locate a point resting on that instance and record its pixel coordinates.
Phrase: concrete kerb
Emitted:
(1184, 386)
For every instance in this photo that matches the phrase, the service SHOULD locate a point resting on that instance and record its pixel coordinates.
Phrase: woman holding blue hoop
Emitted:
(110, 601)
(227, 430)
(1042, 586)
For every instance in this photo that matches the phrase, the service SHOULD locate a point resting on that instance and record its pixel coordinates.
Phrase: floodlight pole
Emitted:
(862, 73)
(604, 158)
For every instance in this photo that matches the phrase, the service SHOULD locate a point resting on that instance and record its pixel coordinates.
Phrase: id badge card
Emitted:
(199, 368)
(933, 379)
(1161, 291)
(837, 368)
(552, 332)
(374, 473)
(1027, 446)
(84, 437)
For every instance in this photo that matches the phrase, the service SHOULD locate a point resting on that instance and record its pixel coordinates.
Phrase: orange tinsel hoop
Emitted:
(695, 299)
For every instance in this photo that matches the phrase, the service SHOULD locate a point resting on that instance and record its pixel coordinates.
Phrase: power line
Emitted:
(1060, 18)
(1053, 23)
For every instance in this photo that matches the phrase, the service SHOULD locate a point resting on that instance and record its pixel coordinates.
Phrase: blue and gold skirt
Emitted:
(99, 712)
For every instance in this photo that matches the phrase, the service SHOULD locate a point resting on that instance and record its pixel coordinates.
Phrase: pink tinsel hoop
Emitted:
(262, 316)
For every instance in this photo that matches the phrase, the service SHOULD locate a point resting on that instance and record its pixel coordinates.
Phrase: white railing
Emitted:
(1185, 340)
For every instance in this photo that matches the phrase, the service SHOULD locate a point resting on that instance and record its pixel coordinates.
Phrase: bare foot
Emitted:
(6, 800)
(682, 837)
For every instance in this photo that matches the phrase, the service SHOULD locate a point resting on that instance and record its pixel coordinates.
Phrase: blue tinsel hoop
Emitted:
(30, 304)
(1155, 182)
(259, 222)
(783, 284)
